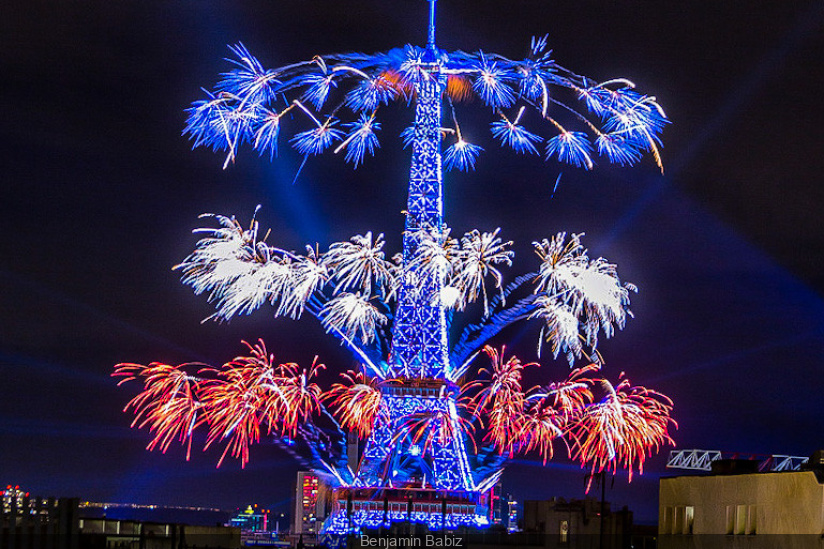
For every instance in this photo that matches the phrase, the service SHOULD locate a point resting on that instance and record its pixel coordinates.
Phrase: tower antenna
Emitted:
(431, 42)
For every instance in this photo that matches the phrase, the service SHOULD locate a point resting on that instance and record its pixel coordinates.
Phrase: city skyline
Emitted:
(104, 193)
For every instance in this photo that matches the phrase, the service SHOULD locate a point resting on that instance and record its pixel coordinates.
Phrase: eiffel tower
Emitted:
(419, 358)
(423, 476)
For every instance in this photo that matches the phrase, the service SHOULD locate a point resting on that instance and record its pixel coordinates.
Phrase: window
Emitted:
(668, 520)
(752, 522)
(563, 532)
(678, 519)
(679, 525)
(741, 519)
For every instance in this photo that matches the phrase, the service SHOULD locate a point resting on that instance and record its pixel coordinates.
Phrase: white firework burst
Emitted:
(561, 262)
(478, 255)
(435, 257)
(352, 315)
(219, 258)
(307, 275)
(354, 265)
(588, 290)
(604, 299)
(562, 328)
(265, 282)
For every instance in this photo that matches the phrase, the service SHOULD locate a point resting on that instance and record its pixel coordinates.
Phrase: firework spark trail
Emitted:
(245, 398)
(241, 273)
(479, 254)
(520, 421)
(301, 395)
(168, 405)
(537, 429)
(568, 396)
(359, 262)
(628, 424)
(575, 297)
(571, 288)
(354, 316)
(618, 122)
(358, 402)
(502, 400)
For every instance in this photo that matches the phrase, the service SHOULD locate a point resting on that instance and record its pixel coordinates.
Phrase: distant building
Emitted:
(311, 499)
(736, 500)
(578, 523)
(497, 504)
(33, 521)
(111, 533)
(512, 514)
(13, 496)
(251, 519)
(58, 524)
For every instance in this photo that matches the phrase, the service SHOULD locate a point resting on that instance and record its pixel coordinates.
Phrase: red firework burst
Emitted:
(239, 401)
(357, 403)
(628, 424)
(168, 405)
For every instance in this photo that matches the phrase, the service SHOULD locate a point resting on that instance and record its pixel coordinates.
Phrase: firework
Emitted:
(479, 254)
(359, 262)
(572, 290)
(358, 402)
(169, 404)
(502, 400)
(352, 315)
(537, 429)
(238, 402)
(618, 122)
(243, 398)
(620, 430)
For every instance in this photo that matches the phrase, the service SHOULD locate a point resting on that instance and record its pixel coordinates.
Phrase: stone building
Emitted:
(736, 505)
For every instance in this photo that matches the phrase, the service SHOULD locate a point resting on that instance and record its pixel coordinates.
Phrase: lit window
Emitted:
(737, 519)
(740, 519)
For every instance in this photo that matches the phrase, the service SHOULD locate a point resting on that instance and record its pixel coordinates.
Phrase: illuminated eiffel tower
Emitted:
(419, 358)
(422, 475)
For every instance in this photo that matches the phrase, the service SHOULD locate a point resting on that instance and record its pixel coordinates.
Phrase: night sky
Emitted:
(100, 193)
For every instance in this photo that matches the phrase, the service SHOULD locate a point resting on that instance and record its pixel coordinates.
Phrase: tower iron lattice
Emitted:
(419, 356)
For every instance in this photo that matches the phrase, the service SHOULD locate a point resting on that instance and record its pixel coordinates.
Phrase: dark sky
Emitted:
(100, 193)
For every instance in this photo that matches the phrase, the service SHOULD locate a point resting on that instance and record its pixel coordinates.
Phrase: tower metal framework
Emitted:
(419, 355)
